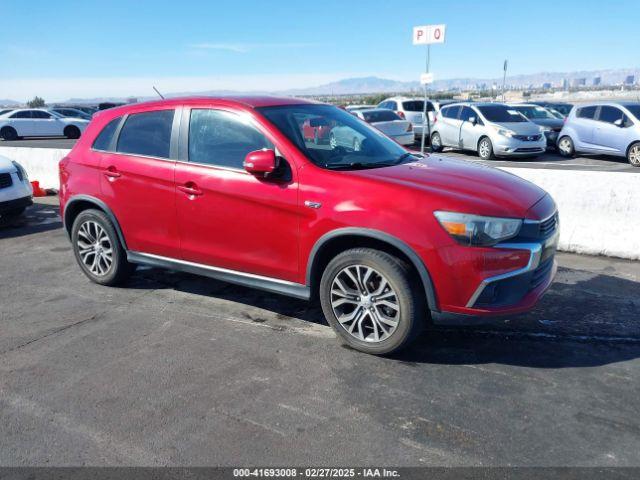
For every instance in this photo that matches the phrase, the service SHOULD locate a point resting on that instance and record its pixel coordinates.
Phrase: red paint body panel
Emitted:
(247, 223)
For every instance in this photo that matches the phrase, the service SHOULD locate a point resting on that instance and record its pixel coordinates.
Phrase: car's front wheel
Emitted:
(436, 142)
(485, 149)
(372, 300)
(98, 250)
(633, 155)
(565, 147)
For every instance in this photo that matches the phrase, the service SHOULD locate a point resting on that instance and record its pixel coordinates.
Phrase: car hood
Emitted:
(548, 122)
(521, 128)
(458, 185)
(6, 165)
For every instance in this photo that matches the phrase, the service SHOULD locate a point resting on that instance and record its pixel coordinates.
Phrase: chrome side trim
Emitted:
(269, 284)
(535, 250)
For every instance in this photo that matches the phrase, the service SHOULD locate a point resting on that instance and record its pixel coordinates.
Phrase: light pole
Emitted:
(504, 78)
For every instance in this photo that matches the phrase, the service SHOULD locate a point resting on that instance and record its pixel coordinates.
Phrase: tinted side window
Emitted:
(147, 133)
(103, 140)
(610, 114)
(40, 114)
(586, 112)
(451, 112)
(222, 138)
(25, 114)
(467, 113)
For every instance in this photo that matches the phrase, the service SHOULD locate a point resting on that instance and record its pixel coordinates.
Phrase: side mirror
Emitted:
(473, 120)
(619, 123)
(260, 162)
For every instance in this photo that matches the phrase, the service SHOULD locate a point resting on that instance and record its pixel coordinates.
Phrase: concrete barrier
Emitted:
(40, 163)
(599, 211)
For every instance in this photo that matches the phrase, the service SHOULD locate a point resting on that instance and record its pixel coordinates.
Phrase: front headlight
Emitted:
(505, 132)
(22, 173)
(477, 230)
(545, 129)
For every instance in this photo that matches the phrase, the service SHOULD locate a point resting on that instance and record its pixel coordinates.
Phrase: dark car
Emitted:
(543, 117)
(563, 108)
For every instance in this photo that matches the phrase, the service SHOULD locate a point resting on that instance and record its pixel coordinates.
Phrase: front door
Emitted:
(229, 218)
(46, 124)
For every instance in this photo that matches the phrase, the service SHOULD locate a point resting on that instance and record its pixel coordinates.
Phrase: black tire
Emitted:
(633, 154)
(9, 133)
(406, 294)
(565, 147)
(485, 149)
(16, 212)
(436, 142)
(120, 269)
(72, 132)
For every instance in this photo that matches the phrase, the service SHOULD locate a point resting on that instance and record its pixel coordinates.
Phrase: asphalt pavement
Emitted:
(175, 369)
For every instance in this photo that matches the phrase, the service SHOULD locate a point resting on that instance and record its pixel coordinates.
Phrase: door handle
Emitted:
(190, 189)
(112, 173)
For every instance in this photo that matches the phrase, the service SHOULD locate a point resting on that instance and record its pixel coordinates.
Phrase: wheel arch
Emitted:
(626, 152)
(337, 241)
(79, 203)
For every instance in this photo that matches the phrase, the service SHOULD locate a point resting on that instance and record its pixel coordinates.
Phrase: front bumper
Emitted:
(16, 204)
(511, 147)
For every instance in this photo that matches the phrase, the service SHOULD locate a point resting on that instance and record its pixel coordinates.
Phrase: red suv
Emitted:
(233, 189)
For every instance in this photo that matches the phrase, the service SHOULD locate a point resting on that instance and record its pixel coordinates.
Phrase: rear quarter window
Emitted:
(586, 112)
(103, 140)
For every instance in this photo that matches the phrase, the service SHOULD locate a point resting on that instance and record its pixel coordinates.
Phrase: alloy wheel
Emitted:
(484, 149)
(95, 248)
(634, 155)
(565, 146)
(364, 303)
(435, 141)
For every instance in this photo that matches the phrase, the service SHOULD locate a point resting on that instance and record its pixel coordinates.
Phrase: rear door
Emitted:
(611, 130)
(469, 132)
(23, 123)
(227, 217)
(137, 180)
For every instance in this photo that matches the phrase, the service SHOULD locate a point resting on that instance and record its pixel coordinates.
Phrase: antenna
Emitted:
(161, 96)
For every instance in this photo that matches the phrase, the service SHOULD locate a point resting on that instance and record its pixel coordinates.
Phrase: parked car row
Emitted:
(39, 122)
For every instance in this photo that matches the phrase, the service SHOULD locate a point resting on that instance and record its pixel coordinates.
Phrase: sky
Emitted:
(67, 48)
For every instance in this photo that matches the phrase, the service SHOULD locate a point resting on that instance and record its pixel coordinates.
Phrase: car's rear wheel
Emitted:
(436, 142)
(9, 133)
(633, 155)
(372, 301)
(565, 147)
(72, 132)
(485, 148)
(98, 250)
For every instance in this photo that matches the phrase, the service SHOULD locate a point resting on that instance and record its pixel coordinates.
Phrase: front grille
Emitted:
(548, 226)
(528, 138)
(5, 180)
(529, 149)
(541, 273)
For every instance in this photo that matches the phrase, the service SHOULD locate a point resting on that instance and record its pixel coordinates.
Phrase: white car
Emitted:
(389, 123)
(38, 122)
(15, 188)
(412, 109)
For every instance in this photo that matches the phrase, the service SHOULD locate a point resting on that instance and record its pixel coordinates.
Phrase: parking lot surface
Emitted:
(180, 370)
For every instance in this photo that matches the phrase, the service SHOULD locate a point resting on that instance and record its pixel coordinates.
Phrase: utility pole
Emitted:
(504, 78)
(425, 112)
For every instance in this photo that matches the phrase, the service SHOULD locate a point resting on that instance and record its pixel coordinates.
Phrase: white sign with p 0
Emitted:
(427, 34)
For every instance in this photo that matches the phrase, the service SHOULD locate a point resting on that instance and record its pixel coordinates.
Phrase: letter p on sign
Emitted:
(427, 34)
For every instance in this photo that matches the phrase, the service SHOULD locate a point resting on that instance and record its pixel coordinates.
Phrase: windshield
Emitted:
(380, 116)
(535, 112)
(501, 114)
(635, 110)
(333, 138)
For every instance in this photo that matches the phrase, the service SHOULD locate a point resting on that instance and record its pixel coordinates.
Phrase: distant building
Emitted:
(630, 80)
(597, 81)
(546, 85)
(579, 82)
(565, 83)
